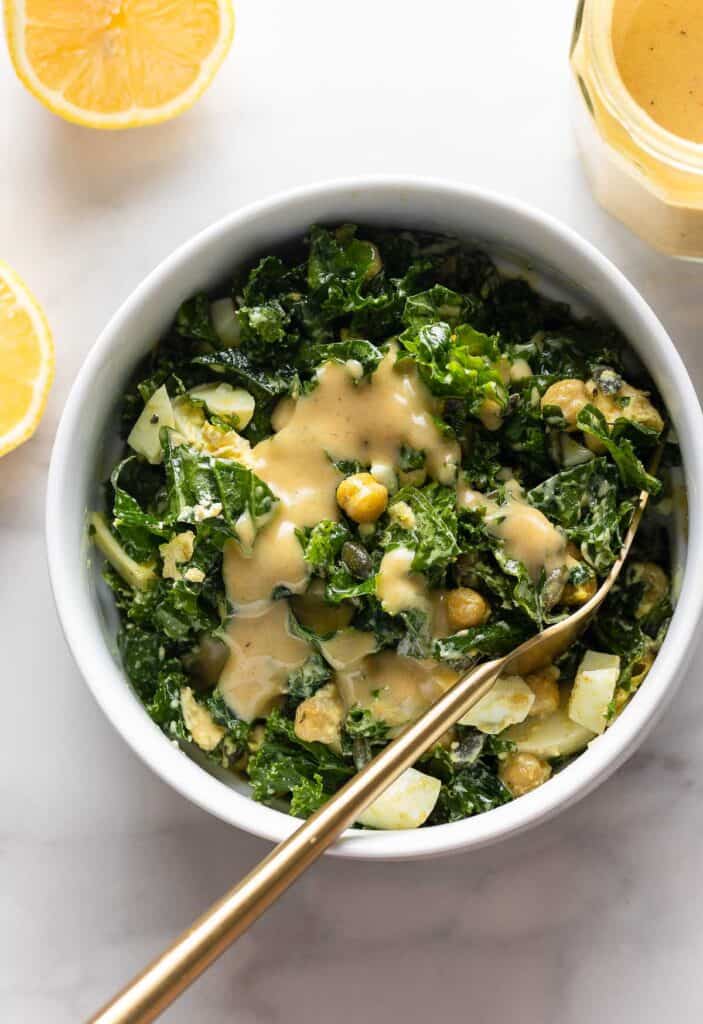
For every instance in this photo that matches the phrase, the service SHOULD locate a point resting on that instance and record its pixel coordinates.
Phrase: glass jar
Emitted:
(646, 176)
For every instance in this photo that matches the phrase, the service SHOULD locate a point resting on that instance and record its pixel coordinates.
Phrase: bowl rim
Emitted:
(108, 684)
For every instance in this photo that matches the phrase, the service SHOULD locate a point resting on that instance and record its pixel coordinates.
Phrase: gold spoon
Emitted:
(148, 995)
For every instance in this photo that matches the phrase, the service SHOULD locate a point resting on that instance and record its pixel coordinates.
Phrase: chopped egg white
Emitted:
(407, 803)
(593, 690)
(144, 437)
(555, 735)
(506, 703)
(224, 400)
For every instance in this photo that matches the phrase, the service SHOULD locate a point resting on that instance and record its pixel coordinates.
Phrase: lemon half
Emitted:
(118, 63)
(26, 361)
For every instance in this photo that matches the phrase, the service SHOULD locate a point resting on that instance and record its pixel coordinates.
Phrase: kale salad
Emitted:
(360, 467)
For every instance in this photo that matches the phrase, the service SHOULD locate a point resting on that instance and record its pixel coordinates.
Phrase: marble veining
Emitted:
(593, 916)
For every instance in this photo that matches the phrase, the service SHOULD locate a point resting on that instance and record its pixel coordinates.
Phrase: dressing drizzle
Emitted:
(364, 420)
(343, 417)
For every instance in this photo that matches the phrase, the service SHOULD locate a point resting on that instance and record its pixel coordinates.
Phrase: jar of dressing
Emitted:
(638, 69)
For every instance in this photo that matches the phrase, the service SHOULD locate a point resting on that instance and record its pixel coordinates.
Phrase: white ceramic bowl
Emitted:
(82, 455)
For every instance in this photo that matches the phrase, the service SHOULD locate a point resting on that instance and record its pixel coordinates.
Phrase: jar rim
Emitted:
(653, 138)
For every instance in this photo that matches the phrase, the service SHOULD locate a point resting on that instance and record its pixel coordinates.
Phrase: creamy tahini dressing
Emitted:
(341, 418)
(347, 647)
(658, 46)
(365, 420)
(526, 533)
(263, 652)
(398, 588)
(529, 537)
(395, 688)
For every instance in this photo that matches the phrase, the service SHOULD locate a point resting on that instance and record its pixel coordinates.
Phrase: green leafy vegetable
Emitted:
(482, 463)
(361, 732)
(322, 545)
(416, 634)
(194, 320)
(234, 745)
(430, 531)
(141, 651)
(470, 791)
(584, 502)
(489, 641)
(457, 363)
(468, 772)
(303, 682)
(236, 366)
(486, 564)
(263, 326)
(307, 796)
(438, 304)
(340, 266)
(356, 349)
(343, 586)
(201, 486)
(524, 438)
(410, 459)
(165, 704)
(621, 450)
(284, 765)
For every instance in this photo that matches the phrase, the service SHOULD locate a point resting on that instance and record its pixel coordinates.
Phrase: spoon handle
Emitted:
(165, 978)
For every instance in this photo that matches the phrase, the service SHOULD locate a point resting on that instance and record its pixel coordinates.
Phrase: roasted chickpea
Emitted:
(543, 684)
(625, 403)
(523, 772)
(466, 608)
(568, 395)
(362, 498)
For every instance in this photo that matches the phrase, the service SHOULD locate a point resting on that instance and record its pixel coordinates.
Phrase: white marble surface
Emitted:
(594, 916)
